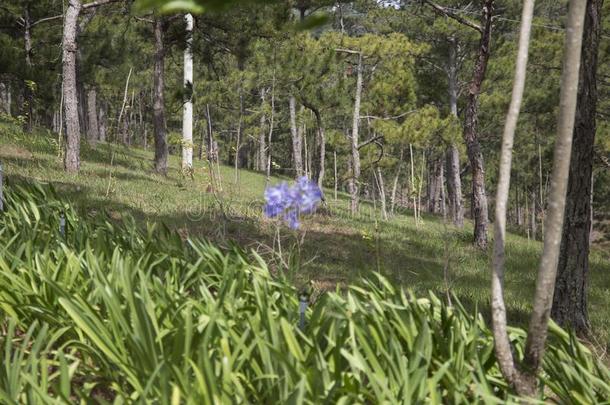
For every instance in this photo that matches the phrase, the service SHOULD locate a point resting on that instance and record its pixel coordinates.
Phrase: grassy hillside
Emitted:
(336, 249)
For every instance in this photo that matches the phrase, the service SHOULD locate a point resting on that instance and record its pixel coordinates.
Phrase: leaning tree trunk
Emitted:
(69, 49)
(297, 147)
(93, 130)
(382, 194)
(161, 150)
(471, 135)
(454, 182)
(570, 298)
(187, 116)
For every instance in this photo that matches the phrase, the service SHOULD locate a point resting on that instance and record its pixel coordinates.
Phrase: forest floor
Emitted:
(336, 248)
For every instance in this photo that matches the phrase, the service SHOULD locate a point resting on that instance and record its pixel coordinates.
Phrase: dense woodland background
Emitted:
(395, 106)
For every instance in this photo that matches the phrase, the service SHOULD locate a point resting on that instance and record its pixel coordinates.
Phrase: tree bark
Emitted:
(262, 136)
(102, 122)
(5, 108)
(161, 150)
(570, 299)
(525, 385)
(27, 89)
(69, 49)
(382, 195)
(93, 131)
(187, 115)
(471, 135)
(322, 144)
(297, 147)
(547, 273)
(454, 181)
(395, 183)
(354, 185)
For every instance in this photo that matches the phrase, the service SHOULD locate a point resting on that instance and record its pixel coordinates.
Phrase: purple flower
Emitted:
(291, 201)
(292, 219)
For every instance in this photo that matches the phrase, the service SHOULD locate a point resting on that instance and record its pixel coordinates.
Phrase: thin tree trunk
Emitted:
(506, 361)
(27, 89)
(262, 147)
(382, 197)
(69, 49)
(161, 150)
(471, 135)
(534, 221)
(454, 181)
(93, 132)
(307, 157)
(4, 100)
(187, 113)
(271, 124)
(354, 192)
(570, 299)
(454, 186)
(297, 147)
(547, 273)
(322, 140)
(395, 183)
(238, 140)
(336, 179)
(102, 122)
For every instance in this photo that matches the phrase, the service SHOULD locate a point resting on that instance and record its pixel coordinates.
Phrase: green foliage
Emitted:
(112, 313)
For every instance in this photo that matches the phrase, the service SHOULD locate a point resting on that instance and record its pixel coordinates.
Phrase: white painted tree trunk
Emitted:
(187, 113)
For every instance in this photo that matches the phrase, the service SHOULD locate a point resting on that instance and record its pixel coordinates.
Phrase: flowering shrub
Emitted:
(289, 202)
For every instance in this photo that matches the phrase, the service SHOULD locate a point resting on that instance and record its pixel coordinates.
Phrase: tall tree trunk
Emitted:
(262, 136)
(471, 135)
(27, 88)
(547, 273)
(5, 107)
(382, 195)
(395, 184)
(102, 122)
(297, 147)
(454, 181)
(238, 163)
(69, 49)
(93, 132)
(187, 115)
(271, 125)
(502, 345)
(534, 221)
(161, 150)
(322, 143)
(335, 178)
(354, 184)
(570, 298)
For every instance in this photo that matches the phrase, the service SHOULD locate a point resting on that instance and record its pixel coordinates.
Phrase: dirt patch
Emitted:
(16, 152)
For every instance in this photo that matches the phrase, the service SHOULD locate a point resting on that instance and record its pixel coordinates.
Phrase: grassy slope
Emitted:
(337, 248)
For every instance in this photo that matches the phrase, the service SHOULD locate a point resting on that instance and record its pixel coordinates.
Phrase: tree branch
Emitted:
(394, 117)
(374, 139)
(98, 3)
(450, 14)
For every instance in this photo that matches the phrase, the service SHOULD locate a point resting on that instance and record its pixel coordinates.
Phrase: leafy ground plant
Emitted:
(112, 313)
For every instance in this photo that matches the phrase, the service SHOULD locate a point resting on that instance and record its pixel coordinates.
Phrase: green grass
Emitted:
(337, 248)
